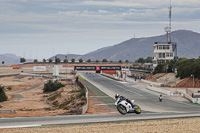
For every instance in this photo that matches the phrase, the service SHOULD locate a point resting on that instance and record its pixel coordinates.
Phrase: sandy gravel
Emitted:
(189, 125)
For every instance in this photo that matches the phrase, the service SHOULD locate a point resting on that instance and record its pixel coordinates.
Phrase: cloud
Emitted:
(114, 3)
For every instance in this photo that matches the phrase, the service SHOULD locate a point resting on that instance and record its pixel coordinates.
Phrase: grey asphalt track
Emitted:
(147, 101)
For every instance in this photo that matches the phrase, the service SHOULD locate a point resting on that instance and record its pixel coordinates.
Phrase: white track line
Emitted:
(20, 126)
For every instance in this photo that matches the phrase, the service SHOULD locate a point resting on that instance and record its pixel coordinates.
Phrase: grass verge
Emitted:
(190, 103)
(102, 96)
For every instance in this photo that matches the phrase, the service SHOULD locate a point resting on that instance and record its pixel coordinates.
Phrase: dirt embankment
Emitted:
(153, 78)
(185, 83)
(26, 97)
(188, 83)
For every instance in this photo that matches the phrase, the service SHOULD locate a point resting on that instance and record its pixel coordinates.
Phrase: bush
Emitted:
(51, 86)
(9, 88)
(82, 93)
(3, 96)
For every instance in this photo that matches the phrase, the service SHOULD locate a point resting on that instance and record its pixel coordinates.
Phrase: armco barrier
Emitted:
(150, 82)
(160, 90)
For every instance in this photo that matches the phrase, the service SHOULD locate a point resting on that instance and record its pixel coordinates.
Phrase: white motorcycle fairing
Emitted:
(125, 104)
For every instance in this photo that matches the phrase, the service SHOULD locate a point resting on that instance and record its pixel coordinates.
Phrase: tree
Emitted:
(35, 61)
(65, 61)
(120, 61)
(22, 60)
(80, 60)
(104, 60)
(73, 60)
(3, 62)
(57, 60)
(127, 61)
(89, 60)
(3, 96)
(149, 60)
(160, 68)
(140, 60)
(50, 60)
(97, 61)
(44, 60)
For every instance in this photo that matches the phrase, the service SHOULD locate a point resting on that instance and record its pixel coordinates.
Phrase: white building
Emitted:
(164, 51)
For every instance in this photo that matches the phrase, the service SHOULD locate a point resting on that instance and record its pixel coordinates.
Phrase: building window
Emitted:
(161, 55)
(166, 47)
(167, 55)
(171, 54)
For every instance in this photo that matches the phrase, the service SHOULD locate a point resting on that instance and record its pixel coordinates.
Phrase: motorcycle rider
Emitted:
(160, 98)
(123, 98)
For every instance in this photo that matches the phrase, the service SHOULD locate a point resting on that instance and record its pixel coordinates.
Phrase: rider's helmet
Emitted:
(116, 96)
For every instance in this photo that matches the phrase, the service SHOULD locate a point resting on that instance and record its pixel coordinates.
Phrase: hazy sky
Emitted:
(41, 28)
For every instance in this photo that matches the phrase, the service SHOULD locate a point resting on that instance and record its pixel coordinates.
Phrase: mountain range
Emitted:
(188, 45)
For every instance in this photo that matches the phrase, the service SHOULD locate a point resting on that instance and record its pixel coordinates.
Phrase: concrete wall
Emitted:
(85, 108)
(150, 82)
(159, 90)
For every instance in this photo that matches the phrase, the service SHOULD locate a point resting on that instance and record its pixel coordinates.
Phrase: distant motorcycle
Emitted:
(124, 107)
(160, 98)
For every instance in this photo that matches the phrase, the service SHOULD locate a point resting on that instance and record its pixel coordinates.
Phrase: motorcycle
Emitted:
(160, 98)
(124, 107)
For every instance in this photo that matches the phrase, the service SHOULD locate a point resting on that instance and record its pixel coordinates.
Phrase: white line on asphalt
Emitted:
(20, 126)
(129, 90)
(106, 104)
(99, 96)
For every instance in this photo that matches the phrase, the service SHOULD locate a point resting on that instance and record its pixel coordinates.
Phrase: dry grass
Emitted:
(189, 125)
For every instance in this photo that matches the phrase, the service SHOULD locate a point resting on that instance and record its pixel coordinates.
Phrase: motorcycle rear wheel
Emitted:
(121, 109)
(137, 109)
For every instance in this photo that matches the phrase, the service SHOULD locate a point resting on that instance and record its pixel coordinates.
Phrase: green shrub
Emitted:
(51, 86)
(82, 93)
(9, 88)
(3, 96)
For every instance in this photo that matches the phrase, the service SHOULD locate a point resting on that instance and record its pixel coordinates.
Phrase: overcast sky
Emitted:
(41, 28)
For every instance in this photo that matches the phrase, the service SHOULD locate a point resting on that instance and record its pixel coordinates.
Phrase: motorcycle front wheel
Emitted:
(121, 109)
(137, 109)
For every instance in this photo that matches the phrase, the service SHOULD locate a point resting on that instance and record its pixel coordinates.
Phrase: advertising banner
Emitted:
(39, 68)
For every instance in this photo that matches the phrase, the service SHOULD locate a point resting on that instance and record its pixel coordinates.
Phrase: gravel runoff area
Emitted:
(182, 125)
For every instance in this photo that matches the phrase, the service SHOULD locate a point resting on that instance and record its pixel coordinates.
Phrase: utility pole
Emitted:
(66, 65)
(170, 19)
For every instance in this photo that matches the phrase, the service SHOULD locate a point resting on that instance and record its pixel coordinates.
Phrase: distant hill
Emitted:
(9, 59)
(188, 44)
(64, 56)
